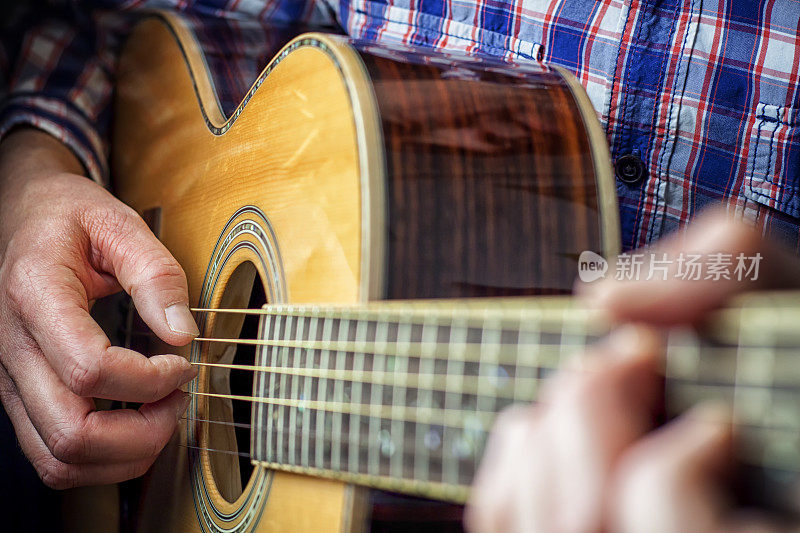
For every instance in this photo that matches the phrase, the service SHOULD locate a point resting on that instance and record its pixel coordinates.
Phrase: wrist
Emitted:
(28, 152)
(31, 161)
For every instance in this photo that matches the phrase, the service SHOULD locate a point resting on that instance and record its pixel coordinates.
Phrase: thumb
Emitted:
(147, 271)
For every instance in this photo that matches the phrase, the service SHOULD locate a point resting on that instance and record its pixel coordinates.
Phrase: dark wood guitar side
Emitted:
(493, 188)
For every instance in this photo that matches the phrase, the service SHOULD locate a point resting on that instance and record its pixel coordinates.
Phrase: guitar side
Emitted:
(350, 176)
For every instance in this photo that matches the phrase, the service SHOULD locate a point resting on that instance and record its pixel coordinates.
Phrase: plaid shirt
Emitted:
(704, 93)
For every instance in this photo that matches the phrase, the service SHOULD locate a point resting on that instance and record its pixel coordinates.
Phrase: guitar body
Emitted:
(349, 173)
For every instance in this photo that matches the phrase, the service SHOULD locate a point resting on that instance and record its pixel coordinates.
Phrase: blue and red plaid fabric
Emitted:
(705, 93)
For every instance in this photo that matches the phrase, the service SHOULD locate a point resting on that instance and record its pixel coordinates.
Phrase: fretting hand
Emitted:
(587, 458)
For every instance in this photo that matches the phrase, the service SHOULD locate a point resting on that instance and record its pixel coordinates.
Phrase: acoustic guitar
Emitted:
(379, 243)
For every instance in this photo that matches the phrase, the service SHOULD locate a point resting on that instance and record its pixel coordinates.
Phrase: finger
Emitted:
(546, 469)
(56, 314)
(146, 270)
(57, 474)
(504, 470)
(593, 415)
(75, 432)
(679, 300)
(673, 477)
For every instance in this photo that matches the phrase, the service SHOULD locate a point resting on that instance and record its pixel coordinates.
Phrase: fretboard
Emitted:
(402, 395)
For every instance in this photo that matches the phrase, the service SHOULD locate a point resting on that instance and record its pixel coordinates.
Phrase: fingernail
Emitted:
(709, 422)
(183, 405)
(632, 342)
(596, 295)
(188, 375)
(180, 320)
(713, 412)
(624, 342)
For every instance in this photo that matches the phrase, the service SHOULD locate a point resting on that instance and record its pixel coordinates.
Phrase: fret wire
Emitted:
(569, 332)
(284, 357)
(257, 437)
(397, 455)
(737, 375)
(272, 353)
(376, 398)
(772, 383)
(300, 331)
(529, 372)
(355, 394)
(455, 368)
(307, 384)
(338, 396)
(749, 401)
(422, 461)
(322, 393)
(487, 401)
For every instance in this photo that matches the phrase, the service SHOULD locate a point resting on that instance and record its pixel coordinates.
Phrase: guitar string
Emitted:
(739, 424)
(518, 316)
(424, 415)
(215, 450)
(290, 432)
(594, 321)
(720, 380)
(439, 416)
(323, 435)
(469, 384)
(360, 443)
(218, 422)
(363, 347)
(412, 349)
(321, 406)
(394, 308)
(348, 347)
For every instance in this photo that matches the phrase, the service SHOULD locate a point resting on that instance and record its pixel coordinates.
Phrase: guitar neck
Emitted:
(402, 395)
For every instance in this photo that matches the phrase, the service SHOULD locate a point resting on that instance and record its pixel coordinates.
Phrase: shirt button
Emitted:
(629, 169)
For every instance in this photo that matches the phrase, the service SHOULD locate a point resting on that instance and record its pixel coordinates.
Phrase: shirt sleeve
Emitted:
(60, 63)
(60, 80)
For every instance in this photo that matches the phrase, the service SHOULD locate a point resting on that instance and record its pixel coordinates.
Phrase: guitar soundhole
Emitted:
(230, 464)
(242, 382)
